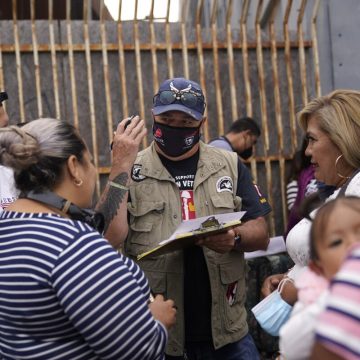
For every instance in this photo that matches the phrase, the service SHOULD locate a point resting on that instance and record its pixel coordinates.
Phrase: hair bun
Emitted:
(19, 149)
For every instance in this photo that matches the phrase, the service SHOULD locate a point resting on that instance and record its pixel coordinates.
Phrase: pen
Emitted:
(126, 125)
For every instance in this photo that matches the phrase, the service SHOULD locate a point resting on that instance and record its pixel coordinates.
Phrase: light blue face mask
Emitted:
(272, 312)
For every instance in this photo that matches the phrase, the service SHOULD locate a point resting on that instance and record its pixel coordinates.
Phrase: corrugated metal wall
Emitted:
(95, 72)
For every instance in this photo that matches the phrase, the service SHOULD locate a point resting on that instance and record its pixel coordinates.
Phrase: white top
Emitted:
(298, 333)
(297, 241)
(8, 191)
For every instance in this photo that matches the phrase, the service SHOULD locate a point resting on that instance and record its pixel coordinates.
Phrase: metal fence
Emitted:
(252, 57)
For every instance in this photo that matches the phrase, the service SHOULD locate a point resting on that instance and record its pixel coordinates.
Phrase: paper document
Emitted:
(188, 231)
(276, 246)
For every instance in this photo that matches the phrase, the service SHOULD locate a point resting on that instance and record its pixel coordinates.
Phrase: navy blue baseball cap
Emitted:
(182, 95)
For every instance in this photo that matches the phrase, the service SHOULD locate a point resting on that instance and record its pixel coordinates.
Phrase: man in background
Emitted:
(241, 137)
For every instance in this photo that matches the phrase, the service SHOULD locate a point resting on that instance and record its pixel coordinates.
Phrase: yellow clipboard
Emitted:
(209, 225)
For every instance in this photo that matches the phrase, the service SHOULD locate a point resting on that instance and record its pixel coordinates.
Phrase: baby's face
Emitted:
(342, 231)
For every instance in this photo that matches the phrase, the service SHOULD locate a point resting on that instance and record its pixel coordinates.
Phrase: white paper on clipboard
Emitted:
(276, 246)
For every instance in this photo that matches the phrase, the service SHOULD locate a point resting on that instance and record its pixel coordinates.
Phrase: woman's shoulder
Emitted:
(49, 223)
(353, 187)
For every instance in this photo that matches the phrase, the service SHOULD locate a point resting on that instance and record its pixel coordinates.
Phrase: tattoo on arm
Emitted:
(114, 197)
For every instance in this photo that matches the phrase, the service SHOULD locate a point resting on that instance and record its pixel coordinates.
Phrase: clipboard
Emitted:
(189, 231)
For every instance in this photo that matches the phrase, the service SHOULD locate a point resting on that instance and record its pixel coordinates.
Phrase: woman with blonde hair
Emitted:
(65, 292)
(332, 126)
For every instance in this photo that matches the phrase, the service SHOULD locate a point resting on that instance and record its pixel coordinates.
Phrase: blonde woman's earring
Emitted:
(337, 171)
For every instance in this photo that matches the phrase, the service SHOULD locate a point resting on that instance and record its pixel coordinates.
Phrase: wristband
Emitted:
(114, 184)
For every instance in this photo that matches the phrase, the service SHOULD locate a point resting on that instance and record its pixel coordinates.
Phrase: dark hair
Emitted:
(38, 151)
(243, 124)
(322, 218)
(299, 162)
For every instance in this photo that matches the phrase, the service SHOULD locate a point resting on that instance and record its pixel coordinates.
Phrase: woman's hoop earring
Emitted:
(78, 182)
(337, 171)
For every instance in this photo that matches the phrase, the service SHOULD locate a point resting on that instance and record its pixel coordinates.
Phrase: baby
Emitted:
(336, 227)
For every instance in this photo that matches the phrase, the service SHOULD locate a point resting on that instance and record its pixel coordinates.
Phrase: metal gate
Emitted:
(71, 60)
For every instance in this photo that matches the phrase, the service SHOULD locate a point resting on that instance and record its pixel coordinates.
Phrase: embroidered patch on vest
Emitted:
(231, 293)
(135, 174)
(224, 184)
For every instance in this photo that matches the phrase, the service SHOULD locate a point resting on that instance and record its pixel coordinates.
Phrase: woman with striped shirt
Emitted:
(65, 293)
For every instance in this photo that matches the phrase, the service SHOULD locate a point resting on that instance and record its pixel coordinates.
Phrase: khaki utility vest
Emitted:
(155, 212)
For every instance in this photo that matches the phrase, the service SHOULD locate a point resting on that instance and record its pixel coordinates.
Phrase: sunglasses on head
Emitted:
(188, 98)
(3, 96)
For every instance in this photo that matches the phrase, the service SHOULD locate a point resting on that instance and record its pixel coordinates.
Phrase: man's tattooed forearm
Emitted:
(114, 197)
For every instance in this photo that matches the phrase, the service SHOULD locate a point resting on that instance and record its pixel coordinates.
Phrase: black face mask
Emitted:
(246, 153)
(175, 141)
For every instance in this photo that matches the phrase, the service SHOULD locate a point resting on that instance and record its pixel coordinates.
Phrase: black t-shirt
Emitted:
(197, 292)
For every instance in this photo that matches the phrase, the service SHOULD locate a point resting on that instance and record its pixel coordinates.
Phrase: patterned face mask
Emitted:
(175, 141)
(272, 312)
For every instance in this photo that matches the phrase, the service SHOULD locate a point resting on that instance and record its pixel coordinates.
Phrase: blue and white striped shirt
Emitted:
(66, 294)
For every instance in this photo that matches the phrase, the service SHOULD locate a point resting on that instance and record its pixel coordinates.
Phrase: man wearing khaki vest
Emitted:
(176, 178)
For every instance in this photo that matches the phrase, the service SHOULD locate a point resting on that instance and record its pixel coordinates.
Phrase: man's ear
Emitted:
(316, 267)
(203, 121)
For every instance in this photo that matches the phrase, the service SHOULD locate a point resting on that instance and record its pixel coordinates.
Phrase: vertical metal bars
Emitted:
(289, 76)
(264, 115)
(262, 70)
(71, 66)
(302, 60)
(200, 54)
(18, 61)
(36, 59)
(91, 90)
(138, 67)
(245, 56)
(122, 69)
(106, 72)
(246, 71)
(53, 60)
(218, 88)
(168, 42)
(278, 109)
(230, 52)
(153, 49)
(315, 48)
(184, 42)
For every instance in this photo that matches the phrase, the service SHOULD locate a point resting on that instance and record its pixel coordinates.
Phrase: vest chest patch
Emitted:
(231, 293)
(225, 183)
(135, 173)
